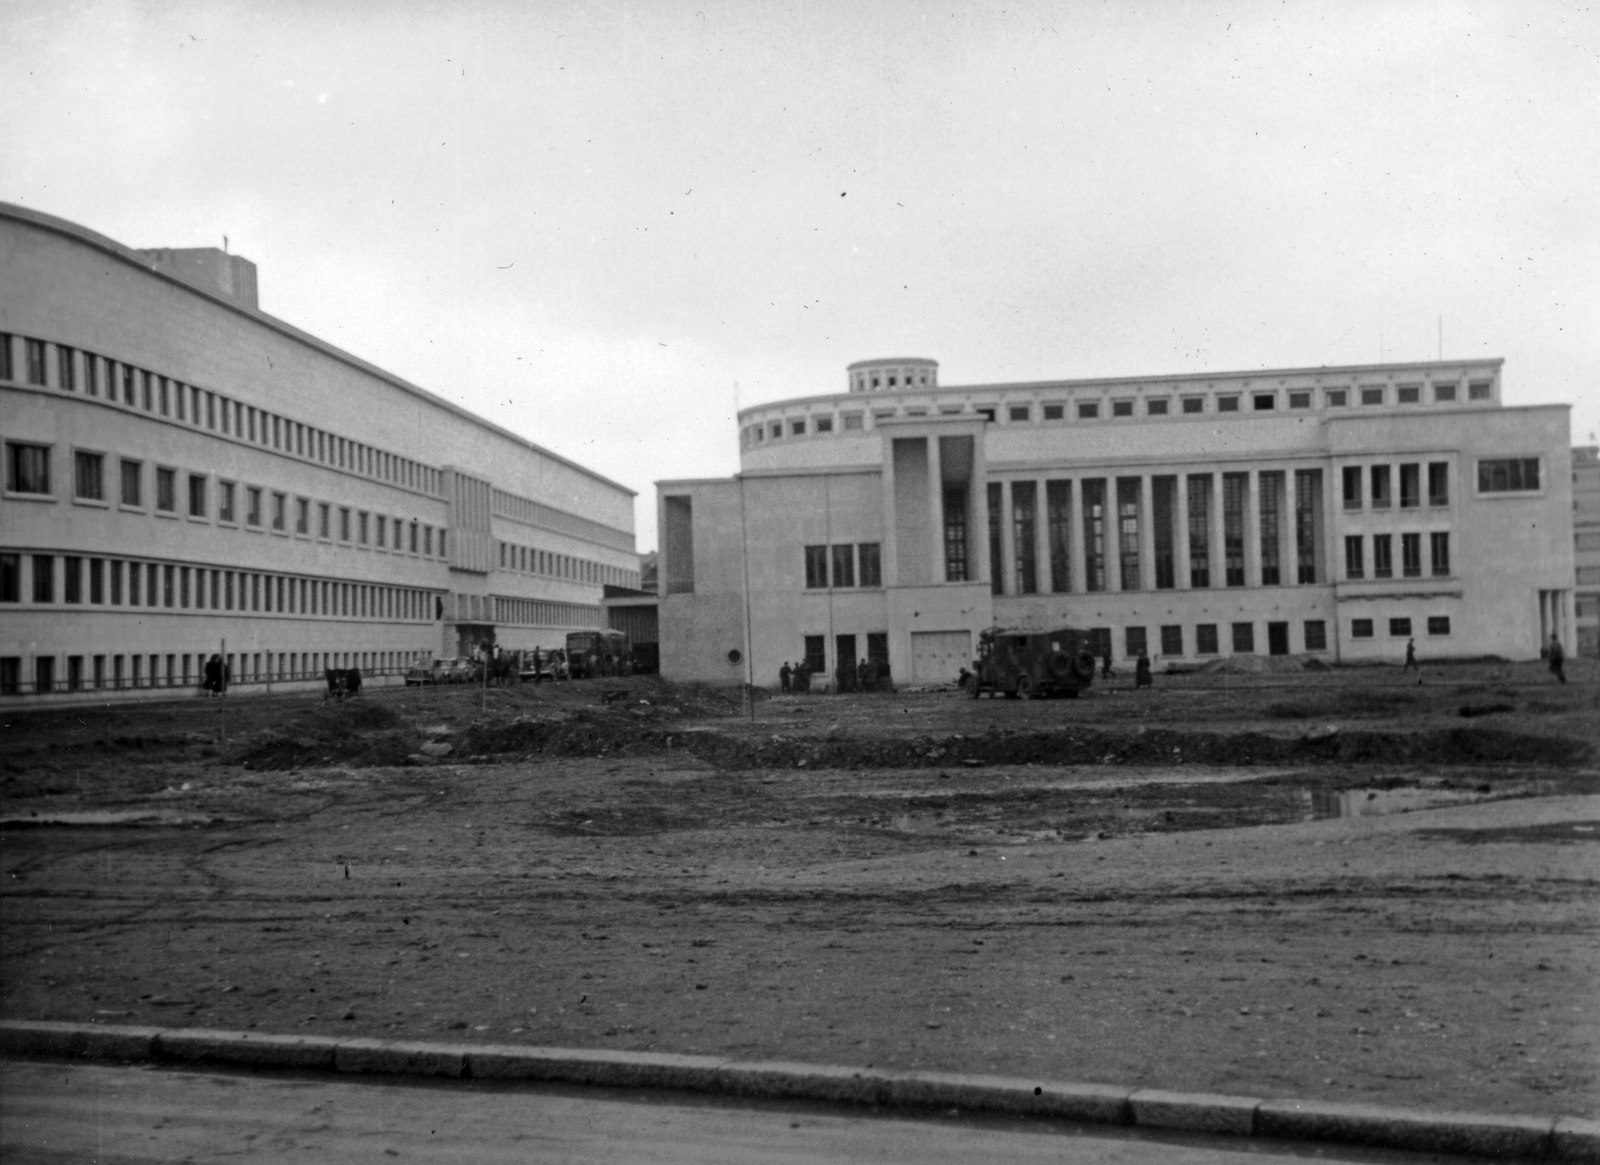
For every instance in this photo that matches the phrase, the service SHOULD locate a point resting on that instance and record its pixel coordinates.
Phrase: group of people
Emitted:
(867, 675)
(1142, 676)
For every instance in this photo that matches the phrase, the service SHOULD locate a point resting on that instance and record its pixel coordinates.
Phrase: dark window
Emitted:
(1233, 488)
(324, 512)
(1444, 392)
(1383, 556)
(1408, 394)
(66, 380)
(362, 527)
(1478, 390)
(844, 565)
(280, 504)
(1354, 560)
(1172, 639)
(344, 523)
(1352, 487)
(1024, 542)
(97, 580)
(816, 648)
(1163, 504)
(225, 501)
(44, 673)
(1506, 476)
(1411, 555)
(955, 534)
(1053, 412)
(1122, 408)
(44, 578)
(878, 651)
(1316, 635)
(1270, 505)
(871, 561)
(11, 665)
(1410, 486)
(197, 496)
(1372, 396)
(1263, 402)
(1128, 517)
(1205, 639)
(1438, 624)
(1335, 398)
(1299, 400)
(1088, 410)
(1399, 627)
(302, 518)
(1136, 642)
(1019, 413)
(1308, 525)
(1381, 497)
(72, 579)
(824, 424)
(1199, 529)
(114, 568)
(1156, 408)
(10, 576)
(5, 356)
(1439, 551)
(1058, 516)
(997, 573)
(1194, 404)
(1244, 638)
(1227, 404)
(89, 474)
(816, 567)
(1094, 533)
(91, 374)
(35, 360)
(1438, 483)
(27, 468)
(166, 490)
(252, 506)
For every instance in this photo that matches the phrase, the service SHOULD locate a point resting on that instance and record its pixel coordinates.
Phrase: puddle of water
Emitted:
(92, 817)
(1325, 803)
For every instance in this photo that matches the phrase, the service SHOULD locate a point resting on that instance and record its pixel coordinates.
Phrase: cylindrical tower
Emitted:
(893, 372)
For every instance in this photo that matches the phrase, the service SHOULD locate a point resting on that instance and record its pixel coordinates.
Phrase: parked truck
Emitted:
(1028, 664)
(598, 653)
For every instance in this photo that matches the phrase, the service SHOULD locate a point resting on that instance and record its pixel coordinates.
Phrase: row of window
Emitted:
(1411, 565)
(1191, 404)
(845, 646)
(532, 560)
(119, 382)
(183, 669)
(1382, 478)
(119, 582)
(844, 564)
(1399, 627)
(28, 472)
(505, 609)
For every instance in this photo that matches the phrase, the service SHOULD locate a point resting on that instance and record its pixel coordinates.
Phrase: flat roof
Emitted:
(132, 257)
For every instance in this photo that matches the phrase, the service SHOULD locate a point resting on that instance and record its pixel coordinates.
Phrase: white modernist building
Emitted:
(184, 471)
(1336, 512)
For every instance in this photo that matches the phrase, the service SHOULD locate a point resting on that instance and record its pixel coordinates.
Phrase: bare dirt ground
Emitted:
(1334, 884)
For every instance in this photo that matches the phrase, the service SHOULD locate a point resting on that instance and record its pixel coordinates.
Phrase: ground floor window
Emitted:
(816, 648)
(1438, 624)
(1399, 627)
(1134, 638)
(1361, 629)
(1244, 638)
(1172, 640)
(1316, 635)
(1205, 639)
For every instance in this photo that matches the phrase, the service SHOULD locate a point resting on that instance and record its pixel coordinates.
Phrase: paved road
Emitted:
(55, 1113)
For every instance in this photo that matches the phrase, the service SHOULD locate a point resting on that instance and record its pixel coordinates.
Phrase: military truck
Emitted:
(598, 653)
(1028, 664)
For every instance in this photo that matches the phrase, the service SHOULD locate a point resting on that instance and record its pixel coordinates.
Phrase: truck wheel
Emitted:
(1025, 688)
(1084, 665)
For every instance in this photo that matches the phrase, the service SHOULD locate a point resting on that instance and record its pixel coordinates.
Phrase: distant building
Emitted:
(1586, 544)
(184, 471)
(1331, 512)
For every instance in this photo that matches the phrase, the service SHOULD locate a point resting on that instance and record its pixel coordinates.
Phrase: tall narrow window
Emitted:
(1233, 491)
(1410, 486)
(89, 472)
(871, 562)
(1411, 555)
(1354, 559)
(997, 571)
(1307, 524)
(1439, 552)
(1381, 496)
(679, 545)
(1351, 476)
(1128, 531)
(1024, 535)
(1199, 529)
(167, 490)
(844, 568)
(65, 379)
(1163, 505)
(44, 578)
(1094, 533)
(1438, 483)
(1382, 556)
(955, 533)
(1271, 507)
(1058, 500)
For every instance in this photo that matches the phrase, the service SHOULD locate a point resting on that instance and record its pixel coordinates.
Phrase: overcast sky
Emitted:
(590, 222)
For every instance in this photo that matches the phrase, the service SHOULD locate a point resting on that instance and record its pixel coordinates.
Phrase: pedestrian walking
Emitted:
(1411, 657)
(1558, 659)
(784, 678)
(1141, 672)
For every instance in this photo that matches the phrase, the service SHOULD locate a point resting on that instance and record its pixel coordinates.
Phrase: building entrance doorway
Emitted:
(1277, 639)
(844, 656)
(939, 655)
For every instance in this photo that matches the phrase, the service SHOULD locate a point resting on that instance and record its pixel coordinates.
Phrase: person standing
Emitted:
(1558, 659)
(784, 676)
(213, 677)
(1141, 672)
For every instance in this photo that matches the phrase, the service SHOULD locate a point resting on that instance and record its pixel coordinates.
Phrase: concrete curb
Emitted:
(1566, 1138)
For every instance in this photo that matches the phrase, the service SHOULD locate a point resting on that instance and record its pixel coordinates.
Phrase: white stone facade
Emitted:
(1336, 512)
(184, 471)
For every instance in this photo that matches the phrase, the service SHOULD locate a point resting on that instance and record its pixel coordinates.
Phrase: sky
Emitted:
(608, 226)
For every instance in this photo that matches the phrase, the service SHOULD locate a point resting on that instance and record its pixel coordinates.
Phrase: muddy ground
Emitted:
(1334, 884)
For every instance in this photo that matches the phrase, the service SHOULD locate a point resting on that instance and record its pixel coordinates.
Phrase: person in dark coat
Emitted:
(863, 683)
(1141, 672)
(784, 677)
(1558, 659)
(213, 683)
(845, 676)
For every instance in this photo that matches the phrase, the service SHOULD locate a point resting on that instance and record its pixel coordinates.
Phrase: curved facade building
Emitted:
(1335, 512)
(186, 475)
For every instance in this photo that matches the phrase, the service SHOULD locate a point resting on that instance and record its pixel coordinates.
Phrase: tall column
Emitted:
(935, 513)
(1041, 537)
(1252, 529)
(1078, 551)
(978, 523)
(1219, 530)
(1147, 534)
(891, 549)
(1008, 543)
(1111, 522)
(1180, 533)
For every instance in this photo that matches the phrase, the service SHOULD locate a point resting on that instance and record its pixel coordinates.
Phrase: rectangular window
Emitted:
(1163, 506)
(168, 591)
(44, 578)
(65, 380)
(1299, 400)
(997, 571)
(1019, 413)
(1335, 398)
(427, 542)
(34, 352)
(324, 517)
(1199, 529)
(1354, 559)
(361, 526)
(1058, 514)
(955, 533)
(1381, 496)
(871, 562)
(72, 579)
(1122, 408)
(415, 528)
(1094, 533)
(1024, 543)
(1438, 624)
(816, 661)
(844, 565)
(1227, 404)
(27, 468)
(1410, 486)
(10, 574)
(1399, 627)
(380, 538)
(1088, 410)
(1053, 412)
(1194, 404)
(1205, 639)
(1444, 392)
(1351, 476)
(1411, 555)
(1439, 552)
(797, 428)
(1508, 475)
(114, 570)
(1128, 518)
(1316, 635)
(180, 397)
(146, 380)
(344, 523)
(1408, 394)
(1383, 556)
(1135, 641)
(252, 506)
(1244, 638)
(1172, 639)
(816, 568)
(280, 506)
(1263, 402)
(1438, 483)
(97, 580)
(1308, 525)
(1270, 505)
(89, 472)
(1372, 396)
(851, 421)
(1233, 491)
(302, 515)
(167, 490)
(91, 374)
(224, 501)
(164, 399)
(1156, 407)
(1478, 390)
(197, 496)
